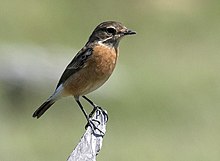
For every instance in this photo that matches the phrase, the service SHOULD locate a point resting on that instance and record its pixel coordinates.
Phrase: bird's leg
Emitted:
(90, 123)
(82, 109)
(95, 107)
(93, 104)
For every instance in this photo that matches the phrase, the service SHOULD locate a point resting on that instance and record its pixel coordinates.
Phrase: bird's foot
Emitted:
(95, 109)
(93, 126)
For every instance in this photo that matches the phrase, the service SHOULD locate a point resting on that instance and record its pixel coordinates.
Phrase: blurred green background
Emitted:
(162, 100)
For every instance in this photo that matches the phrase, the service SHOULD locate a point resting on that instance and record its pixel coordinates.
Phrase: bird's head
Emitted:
(110, 33)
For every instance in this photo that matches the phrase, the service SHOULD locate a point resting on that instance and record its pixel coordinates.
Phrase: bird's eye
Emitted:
(111, 30)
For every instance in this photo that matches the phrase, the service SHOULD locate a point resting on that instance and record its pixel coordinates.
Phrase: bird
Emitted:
(90, 68)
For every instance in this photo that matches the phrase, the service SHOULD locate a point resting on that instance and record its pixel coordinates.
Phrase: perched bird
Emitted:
(91, 67)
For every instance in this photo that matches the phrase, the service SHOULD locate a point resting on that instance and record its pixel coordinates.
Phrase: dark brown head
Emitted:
(109, 33)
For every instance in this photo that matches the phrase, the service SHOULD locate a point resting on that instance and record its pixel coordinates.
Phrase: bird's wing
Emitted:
(76, 64)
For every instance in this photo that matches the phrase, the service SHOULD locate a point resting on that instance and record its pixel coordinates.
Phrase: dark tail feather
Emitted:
(43, 108)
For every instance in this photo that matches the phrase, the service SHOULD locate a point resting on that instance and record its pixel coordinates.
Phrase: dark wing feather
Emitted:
(76, 64)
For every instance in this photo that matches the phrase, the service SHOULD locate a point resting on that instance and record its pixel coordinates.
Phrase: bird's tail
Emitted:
(49, 102)
(43, 108)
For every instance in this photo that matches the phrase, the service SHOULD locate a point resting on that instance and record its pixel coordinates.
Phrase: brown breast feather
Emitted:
(95, 73)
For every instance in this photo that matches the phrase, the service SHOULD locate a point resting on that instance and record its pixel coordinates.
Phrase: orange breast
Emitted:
(96, 72)
(103, 60)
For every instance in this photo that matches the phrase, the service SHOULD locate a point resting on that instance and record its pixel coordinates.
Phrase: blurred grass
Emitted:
(162, 100)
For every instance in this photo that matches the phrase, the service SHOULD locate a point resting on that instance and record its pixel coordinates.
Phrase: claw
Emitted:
(93, 126)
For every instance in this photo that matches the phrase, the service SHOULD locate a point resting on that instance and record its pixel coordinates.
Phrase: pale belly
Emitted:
(93, 86)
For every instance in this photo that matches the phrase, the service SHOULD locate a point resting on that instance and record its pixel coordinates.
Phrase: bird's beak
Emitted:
(129, 32)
